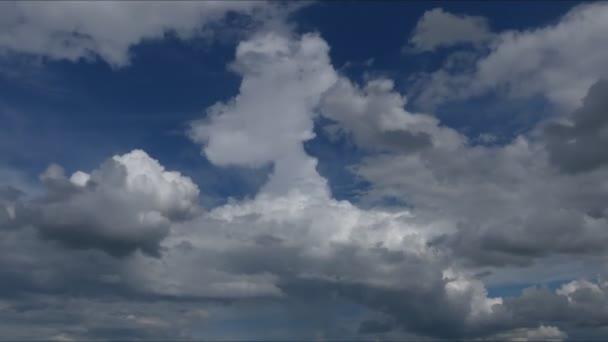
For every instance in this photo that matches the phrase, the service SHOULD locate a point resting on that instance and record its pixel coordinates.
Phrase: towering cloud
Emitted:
(267, 122)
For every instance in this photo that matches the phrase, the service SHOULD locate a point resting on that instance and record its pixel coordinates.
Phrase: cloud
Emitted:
(498, 205)
(292, 240)
(292, 244)
(294, 73)
(542, 333)
(507, 203)
(126, 204)
(75, 30)
(80, 318)
(8, 196)
(559, 61)
(438, 28)
(577, 145)
(576, 304)
(376, 119)
(292, 229)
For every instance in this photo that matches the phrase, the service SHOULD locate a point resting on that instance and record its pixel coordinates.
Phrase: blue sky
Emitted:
(171, 82)
(350, 170)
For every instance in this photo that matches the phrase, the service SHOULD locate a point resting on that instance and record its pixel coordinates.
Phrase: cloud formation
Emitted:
(545, 61)
(376, 119)
(577, 144)
(500, 200)
(75, 30)
(438, 28)
(150, 264)
(126, 204)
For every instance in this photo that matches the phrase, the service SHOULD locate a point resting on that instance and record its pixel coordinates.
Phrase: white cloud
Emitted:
(438, 28)
(376, 118)
(570, 288)
(542, 333)
(559, 61)
(106, 29)
(251, 129)
(167, 191)
(283, 81)
(292, 228)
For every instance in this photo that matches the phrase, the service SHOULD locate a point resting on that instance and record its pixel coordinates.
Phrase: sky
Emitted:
(252, 170)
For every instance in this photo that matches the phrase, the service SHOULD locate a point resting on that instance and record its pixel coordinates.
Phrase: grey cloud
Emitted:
(374, 327)
(127, 204)
(44, 317)
(575, 306)
(504, 204)
(375, 118)
(579, 145)
(523, 240)
(9, 193)
(405, 140)
(438, 28)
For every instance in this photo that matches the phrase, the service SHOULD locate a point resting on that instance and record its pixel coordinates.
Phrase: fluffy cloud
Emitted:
(545, 61)
(438, 28)
(126, 204)
(292, 239)
(376, 119)
(507, 204)
(80, 29)
(294, 73)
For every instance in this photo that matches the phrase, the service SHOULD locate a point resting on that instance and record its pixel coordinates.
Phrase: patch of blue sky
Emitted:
(515, 289)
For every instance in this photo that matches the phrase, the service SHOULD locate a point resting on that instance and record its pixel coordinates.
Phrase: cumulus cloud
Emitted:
(499, 205)
(295, 73)
(292, 240)
(376, 119)
(75, 30)
(126, 204)
(438, 28)
(507, 204)
(544, 61)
